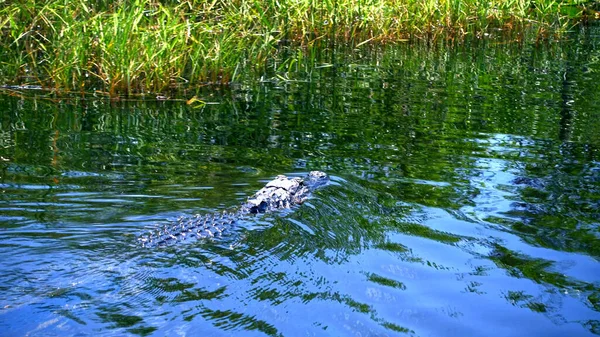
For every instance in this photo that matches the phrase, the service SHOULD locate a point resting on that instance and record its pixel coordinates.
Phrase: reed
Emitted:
(125, 47)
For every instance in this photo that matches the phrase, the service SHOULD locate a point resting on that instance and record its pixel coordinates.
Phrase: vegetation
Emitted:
(126, 47)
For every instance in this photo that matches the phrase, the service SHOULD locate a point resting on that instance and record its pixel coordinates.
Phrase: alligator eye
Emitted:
(260, 208)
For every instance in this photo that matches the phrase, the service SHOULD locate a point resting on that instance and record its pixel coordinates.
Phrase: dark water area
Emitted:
(465, 200)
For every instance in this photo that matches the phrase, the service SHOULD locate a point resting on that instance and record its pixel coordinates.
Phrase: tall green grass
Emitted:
(126, 47)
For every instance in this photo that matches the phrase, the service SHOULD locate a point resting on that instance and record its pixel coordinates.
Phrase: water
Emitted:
(465, 200)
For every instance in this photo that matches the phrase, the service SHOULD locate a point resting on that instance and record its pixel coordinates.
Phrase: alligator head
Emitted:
(315, 179)
(283, 192)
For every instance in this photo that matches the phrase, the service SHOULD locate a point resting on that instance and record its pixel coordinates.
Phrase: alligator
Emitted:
(280, 193)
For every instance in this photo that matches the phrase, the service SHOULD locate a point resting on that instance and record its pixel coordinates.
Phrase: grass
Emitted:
(126, 47)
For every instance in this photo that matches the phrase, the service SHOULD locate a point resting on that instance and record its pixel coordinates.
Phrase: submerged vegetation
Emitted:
(126, 47)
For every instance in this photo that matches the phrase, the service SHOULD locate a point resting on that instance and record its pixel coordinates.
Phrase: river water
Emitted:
(464, 201)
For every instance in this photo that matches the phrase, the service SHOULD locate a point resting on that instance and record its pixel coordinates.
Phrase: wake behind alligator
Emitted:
(280, 193)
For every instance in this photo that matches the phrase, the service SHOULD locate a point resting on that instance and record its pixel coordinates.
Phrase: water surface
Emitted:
(465, 200)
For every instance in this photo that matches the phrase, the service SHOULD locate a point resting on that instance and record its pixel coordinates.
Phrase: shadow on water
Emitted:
(464, 200)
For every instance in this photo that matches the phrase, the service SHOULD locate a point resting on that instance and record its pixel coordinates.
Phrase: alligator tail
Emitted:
(187, 227)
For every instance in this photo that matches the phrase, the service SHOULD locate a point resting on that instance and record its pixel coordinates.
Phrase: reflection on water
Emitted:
(465, 200)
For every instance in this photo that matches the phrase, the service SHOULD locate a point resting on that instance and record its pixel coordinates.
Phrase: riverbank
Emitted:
(122, 48)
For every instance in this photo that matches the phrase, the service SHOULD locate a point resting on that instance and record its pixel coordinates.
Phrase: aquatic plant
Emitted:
(127, 47)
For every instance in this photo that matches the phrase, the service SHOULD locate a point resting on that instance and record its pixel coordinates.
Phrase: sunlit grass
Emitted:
(126, 47)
